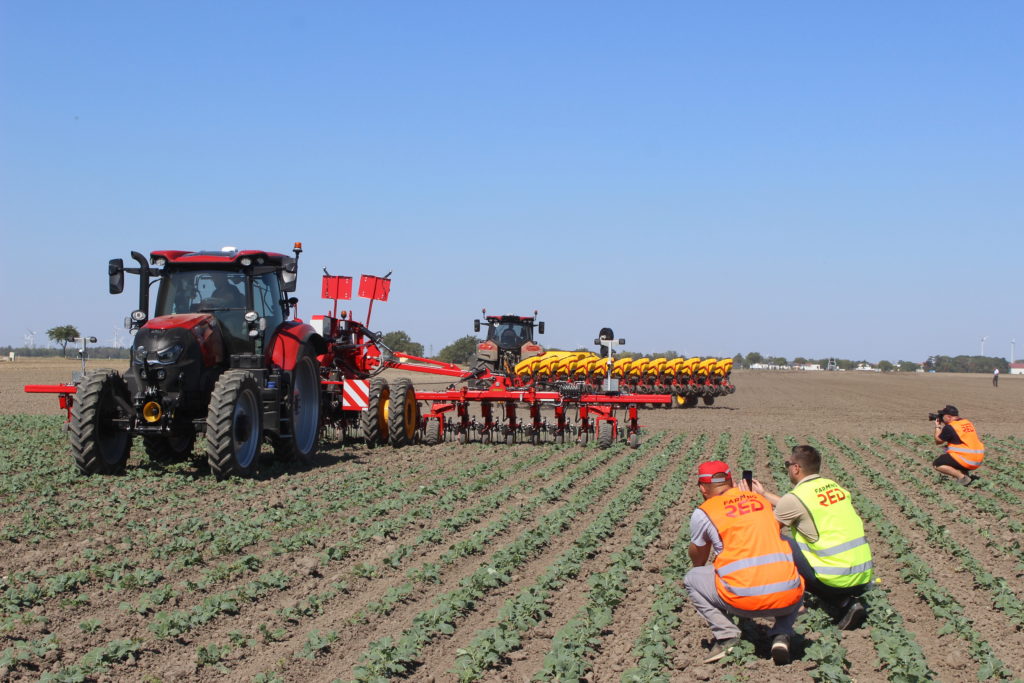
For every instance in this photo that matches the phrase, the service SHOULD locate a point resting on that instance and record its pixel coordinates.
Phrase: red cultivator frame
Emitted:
(390, 413)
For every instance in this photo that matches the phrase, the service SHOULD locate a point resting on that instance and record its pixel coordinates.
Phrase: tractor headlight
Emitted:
(246, 261)
(138, 316)
(141, 352)
(251, 316)
(169, 355)
(159, 261)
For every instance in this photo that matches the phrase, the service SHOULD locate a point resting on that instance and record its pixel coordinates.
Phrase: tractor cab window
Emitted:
(219, 292)
(266, 294)
(508, 335)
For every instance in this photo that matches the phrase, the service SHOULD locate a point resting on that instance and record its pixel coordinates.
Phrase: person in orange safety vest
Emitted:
(753, 573)
(964, 449)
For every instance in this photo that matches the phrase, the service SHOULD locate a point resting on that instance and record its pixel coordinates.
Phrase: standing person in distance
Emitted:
(995, 377)
(753, 574)
(964, 450)
(832, 554)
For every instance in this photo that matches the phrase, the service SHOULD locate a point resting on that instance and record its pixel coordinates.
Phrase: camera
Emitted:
(936, 416)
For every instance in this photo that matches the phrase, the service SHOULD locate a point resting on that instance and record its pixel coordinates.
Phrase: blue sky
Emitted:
(799, 179)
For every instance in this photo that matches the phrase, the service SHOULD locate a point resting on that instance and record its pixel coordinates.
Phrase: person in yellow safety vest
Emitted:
(964, 449)
(753, 574)
(831, 552)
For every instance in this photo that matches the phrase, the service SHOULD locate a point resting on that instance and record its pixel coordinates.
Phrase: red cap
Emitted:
(713, 471)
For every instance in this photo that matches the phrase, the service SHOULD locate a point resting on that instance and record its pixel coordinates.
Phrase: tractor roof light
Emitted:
(158, 261)
(251, 316)
(246, 261)
(138, 316)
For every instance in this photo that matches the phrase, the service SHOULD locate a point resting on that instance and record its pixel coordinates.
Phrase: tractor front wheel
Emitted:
(709, 400)
(234, 425)
(303, 411)
(98, 445)
(374, 420)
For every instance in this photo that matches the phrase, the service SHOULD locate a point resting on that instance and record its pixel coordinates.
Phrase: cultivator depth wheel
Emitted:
(373, 421)
(402, 414)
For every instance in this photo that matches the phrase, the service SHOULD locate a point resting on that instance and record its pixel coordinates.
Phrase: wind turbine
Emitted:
(983, 345)
(1013, 344)
(116, 339)
(30, 339)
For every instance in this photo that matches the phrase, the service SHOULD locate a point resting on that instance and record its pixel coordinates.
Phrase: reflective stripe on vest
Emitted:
(755, 570)
(971, 451)
(841, 557)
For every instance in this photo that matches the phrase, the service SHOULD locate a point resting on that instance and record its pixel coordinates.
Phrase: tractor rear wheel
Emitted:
(171, 448)
(604, 434)
(709, 400)
(302, 411)
(374, 420)
(98, 445)
(432, 432)
(403, 414)
(234, 425)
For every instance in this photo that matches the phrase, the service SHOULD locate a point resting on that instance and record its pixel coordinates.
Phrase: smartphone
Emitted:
(748, 476)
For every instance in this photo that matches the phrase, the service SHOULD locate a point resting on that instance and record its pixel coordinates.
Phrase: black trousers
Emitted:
(812, 585)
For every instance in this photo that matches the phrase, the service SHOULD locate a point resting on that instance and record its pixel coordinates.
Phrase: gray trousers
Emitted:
(700, 583)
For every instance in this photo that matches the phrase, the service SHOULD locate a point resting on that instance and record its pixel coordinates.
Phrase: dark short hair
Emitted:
(808, 458)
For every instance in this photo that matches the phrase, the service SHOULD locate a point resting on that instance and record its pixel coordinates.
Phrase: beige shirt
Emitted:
(792, 513)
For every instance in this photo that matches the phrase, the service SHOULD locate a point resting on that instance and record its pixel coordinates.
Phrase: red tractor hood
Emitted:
(186, 321)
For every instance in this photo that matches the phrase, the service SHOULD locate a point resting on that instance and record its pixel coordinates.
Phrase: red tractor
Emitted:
(509, 340)
(219, 357)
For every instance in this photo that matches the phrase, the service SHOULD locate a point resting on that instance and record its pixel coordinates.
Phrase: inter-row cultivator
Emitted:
(220, 357)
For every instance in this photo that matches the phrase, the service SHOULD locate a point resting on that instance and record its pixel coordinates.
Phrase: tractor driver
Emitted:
(225, 294)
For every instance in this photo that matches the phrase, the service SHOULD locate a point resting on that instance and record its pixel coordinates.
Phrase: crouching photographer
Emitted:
(964, 450)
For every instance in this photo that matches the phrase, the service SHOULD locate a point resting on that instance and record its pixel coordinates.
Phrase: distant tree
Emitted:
(754, 357)
(886, 366)
(845, 364)
(777, 360)
(907, 366)
(737, 360)
(800, 360)
(462, 350)
(400, 341)
(62, 335)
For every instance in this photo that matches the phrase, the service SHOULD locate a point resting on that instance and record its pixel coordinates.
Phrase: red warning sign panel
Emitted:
(372, 287)
(337, 287)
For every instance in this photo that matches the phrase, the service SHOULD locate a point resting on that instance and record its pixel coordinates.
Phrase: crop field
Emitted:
(492, 563)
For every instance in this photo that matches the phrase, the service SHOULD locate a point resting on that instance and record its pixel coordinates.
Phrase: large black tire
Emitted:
(234, 425)
(171, 448)
(303, 411)
(709, 400)
(403, 414)
(604, 434)
(373, 421)
(97, 444)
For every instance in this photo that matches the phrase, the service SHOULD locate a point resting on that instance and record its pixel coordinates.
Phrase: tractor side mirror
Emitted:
(476, 325)
(115, 273)
(289, 275)
(540, 328)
